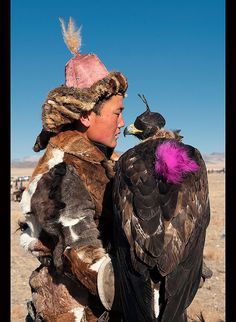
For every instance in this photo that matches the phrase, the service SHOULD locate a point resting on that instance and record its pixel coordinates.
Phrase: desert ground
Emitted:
(209, 303)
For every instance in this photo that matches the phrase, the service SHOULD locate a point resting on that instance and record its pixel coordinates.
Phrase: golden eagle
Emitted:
(162, 210)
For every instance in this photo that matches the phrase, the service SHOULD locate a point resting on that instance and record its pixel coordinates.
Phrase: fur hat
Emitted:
(87, 82)
(65, 104)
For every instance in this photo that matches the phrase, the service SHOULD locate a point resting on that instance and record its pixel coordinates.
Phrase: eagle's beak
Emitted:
(131, 129)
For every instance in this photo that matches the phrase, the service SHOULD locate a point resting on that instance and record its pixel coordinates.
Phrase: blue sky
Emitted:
(172, 51)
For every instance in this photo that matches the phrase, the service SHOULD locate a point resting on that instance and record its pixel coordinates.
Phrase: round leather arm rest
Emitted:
(106, 283)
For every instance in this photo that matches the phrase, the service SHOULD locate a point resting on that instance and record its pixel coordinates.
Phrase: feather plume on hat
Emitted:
(71, 36)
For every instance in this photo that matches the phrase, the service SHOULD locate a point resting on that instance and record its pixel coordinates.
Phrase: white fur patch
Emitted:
(78, 313)
(81, 254)
(95, 267)
(156, 303)
(26, 240)
(28, 193)
(74, 236)
(35, 227)
(70, 222)
(57, 158)
(31, 234)
(66, 222)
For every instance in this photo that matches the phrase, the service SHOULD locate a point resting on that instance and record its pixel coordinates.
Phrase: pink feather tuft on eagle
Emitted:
(172, 162)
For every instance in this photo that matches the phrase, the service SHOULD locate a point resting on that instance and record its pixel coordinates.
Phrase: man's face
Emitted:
(105, 128)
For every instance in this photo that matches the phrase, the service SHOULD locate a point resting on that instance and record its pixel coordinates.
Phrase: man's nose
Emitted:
(121, 122)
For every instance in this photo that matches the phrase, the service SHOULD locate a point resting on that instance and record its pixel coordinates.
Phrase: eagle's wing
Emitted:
(163, 224)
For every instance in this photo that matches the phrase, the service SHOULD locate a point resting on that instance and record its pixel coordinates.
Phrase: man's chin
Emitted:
(113, 145)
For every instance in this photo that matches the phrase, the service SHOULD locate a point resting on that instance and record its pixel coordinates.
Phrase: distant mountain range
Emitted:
(26, 162)
(213, 160)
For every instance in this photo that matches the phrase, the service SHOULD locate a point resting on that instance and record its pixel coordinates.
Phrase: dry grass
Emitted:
(210, 299)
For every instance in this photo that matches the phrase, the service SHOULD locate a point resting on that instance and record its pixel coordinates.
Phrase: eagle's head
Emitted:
(146, 124)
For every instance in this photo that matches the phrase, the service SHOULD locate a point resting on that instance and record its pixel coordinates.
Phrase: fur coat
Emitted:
(68, 212)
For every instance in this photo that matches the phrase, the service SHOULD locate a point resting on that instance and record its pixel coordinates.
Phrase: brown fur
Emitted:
(62, 295)
(56, 293)
(77, 150)
(87, 161)
(81, 266)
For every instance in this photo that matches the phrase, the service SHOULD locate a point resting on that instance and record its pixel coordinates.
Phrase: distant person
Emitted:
(67, 204)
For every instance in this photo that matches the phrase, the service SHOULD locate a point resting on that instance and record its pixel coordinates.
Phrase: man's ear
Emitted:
(86, 120)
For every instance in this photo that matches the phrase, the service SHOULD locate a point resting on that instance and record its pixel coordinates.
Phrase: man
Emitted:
(67, 204)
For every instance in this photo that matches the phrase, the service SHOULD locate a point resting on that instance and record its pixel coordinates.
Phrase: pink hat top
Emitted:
(83, 70)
